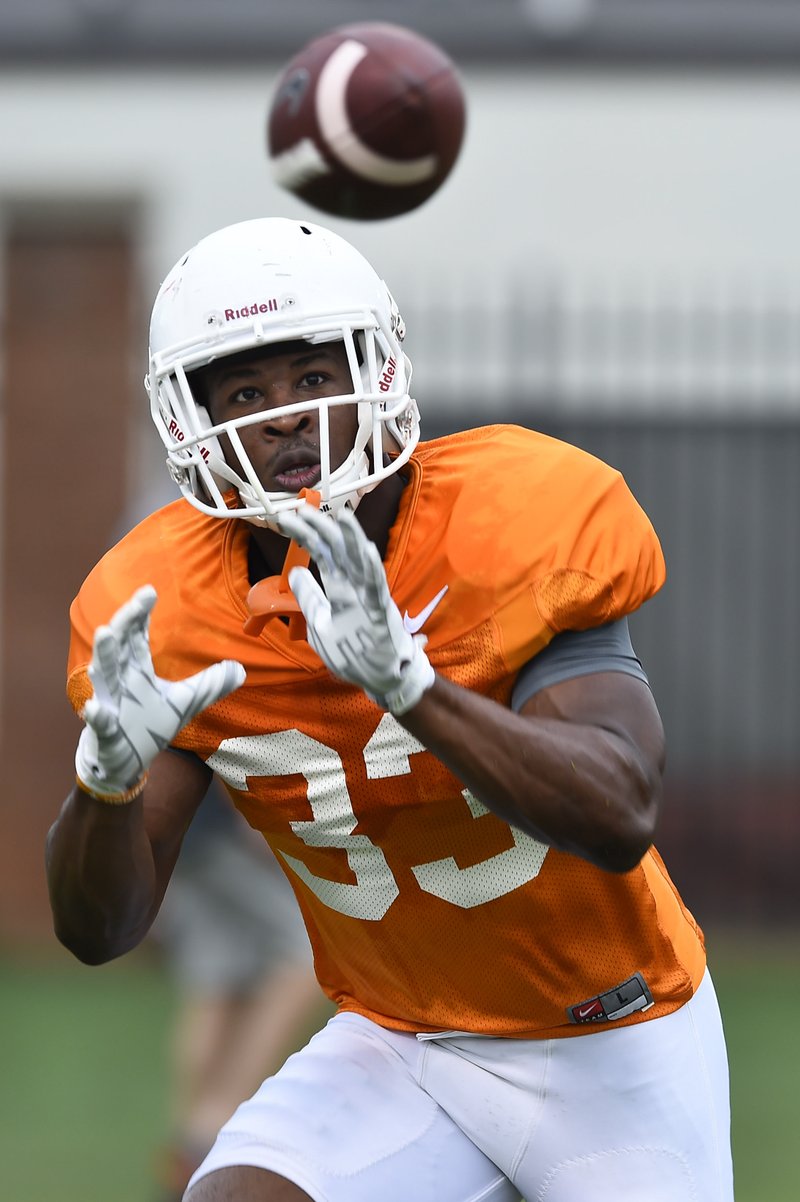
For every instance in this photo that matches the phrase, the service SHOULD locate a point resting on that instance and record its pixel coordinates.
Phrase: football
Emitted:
(366, 121)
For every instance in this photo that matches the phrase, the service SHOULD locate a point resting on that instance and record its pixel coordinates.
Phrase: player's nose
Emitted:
(288, 423)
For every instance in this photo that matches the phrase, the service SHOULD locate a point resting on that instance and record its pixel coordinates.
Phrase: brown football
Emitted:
(366, 121)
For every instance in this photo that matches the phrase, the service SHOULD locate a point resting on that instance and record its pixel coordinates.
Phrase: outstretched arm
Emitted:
(109, 865)
(579, 767)
(112, 849)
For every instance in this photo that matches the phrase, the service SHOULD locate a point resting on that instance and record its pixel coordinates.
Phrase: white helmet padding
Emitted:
(263, 282)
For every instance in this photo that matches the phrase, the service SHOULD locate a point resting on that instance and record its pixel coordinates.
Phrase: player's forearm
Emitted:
(582, 789)
(101, 877)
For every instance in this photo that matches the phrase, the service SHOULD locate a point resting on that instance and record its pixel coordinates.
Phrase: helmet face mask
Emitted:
(252, 286)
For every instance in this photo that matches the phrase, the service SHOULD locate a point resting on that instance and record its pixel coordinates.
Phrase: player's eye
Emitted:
(314, 379)
(249, 395)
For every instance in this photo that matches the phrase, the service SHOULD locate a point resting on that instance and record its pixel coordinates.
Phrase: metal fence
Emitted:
(653, 346)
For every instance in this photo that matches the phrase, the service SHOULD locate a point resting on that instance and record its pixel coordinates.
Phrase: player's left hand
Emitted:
(354, 625)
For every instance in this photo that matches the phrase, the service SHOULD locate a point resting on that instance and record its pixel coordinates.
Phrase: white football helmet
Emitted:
(261, 282)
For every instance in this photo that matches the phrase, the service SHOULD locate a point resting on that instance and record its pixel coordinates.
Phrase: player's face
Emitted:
(284, 450)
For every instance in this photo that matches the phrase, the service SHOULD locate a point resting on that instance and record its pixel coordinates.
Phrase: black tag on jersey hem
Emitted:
(616, 1003)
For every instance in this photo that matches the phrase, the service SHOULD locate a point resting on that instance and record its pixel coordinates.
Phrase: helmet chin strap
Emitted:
(272, 597)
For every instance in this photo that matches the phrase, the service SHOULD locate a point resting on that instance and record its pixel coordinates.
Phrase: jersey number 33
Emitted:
(386, 754)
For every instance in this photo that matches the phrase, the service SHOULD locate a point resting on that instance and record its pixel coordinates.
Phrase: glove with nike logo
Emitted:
(354, 625)
(134, 714)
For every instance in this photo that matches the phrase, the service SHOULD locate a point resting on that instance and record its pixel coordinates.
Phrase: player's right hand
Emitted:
(134, 714)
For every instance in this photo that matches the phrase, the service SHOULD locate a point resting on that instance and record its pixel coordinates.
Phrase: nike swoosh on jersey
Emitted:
(415, 624)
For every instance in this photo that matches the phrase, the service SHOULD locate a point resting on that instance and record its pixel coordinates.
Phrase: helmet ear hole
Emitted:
(199, 389)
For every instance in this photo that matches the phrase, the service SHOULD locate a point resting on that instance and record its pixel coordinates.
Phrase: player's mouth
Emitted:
(297, 470)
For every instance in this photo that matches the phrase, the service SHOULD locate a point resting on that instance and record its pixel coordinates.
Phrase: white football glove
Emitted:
(134, 714)
(354, 625)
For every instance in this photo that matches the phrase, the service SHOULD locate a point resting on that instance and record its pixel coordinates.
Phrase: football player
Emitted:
(410, 665)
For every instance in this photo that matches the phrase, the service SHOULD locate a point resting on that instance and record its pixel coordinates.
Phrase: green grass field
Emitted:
(83, 1079)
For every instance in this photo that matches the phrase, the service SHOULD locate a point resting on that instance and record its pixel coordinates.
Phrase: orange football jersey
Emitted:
(426, 911)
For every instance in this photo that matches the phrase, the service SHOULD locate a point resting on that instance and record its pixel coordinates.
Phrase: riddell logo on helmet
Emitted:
(388, 374)
(179, 436)
(268, 306)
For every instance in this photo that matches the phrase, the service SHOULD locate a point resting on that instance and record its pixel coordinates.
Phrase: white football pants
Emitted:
(362, 1114)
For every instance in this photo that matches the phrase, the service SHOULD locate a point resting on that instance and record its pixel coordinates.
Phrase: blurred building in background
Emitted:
(613, 260)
